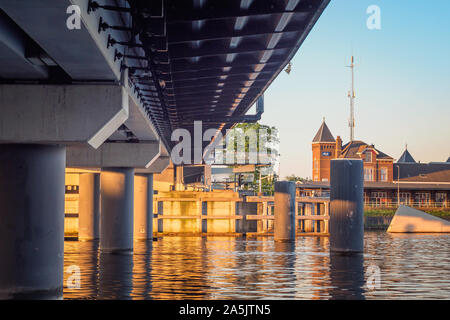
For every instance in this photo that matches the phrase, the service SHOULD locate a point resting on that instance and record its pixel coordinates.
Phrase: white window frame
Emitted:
(386, 174)
(367, 172)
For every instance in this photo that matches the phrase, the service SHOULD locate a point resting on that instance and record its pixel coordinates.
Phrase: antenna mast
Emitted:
(351, 95)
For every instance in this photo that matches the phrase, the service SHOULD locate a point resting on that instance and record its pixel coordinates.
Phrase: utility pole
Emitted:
(351, 95)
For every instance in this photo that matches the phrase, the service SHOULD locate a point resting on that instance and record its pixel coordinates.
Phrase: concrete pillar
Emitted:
(160, 214)
(318, 227)
(346, 206)
(284, 229)
(31, 221)
(202, 210)
(309, 211)
(89, 207)
(116, 218)
(243, 209)
(143, 206)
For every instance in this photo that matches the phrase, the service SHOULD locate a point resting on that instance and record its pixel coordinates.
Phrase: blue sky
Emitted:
(402, 80)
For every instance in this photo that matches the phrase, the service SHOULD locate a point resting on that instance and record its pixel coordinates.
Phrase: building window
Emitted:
(379, 198)
(423, 198)
(405, 198)
(368, 156)
(383, 174)
(368, 174)
(441, 199)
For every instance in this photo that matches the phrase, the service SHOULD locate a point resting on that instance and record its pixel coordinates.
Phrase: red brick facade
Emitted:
(378, 166)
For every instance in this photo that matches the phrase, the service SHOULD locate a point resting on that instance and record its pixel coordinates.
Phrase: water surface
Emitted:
(412, 266)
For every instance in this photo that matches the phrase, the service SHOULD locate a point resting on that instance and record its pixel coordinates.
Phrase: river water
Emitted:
(394, 266)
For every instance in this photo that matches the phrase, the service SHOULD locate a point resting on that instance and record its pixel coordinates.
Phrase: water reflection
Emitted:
(347, 276)
(412, 266)
(142, 272)
(115, 276)
(85, 256)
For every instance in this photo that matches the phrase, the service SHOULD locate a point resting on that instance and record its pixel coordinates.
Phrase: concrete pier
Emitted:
(244, 225)
(309, 211)
(143, 206)
(284, 225)
(89, 207)
(32, 221)
(116, 218)
(346, 206)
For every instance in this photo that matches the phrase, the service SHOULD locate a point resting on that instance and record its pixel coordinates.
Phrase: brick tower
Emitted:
(323, 150)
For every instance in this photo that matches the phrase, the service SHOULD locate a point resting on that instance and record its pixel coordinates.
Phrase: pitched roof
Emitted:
(383, 185)
(423, 172)
(324, 134)
(353, 149)
(406, 157)
(448, 160)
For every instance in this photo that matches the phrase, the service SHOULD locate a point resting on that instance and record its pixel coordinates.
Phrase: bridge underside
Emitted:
(192, 60)
(100, 86)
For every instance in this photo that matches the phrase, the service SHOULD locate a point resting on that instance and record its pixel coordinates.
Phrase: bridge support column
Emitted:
(309, 211)
(116, 217)
(284, 228)
(143, 206)
(32, 221)
(243, 225)
(346, 206)
(89, 207)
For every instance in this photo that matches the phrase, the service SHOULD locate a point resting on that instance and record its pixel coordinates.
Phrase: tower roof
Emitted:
(406, 157)
(324, 134)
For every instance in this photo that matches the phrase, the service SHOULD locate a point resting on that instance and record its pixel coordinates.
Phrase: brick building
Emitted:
(378, 166)
(385, 183)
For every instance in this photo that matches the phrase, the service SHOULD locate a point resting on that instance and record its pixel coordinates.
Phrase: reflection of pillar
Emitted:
(115, 276)
(346, 208)
(86, 259)
(142, 279)
(116, 218)
(143, 207)
(32, 221)
(89, 207)
(284, 229)
(347, 276)
(285, 261)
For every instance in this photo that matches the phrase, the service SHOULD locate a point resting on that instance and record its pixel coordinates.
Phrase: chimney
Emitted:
(338, 146)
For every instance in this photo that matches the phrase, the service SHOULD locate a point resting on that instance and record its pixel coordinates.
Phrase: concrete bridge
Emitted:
(99, 86)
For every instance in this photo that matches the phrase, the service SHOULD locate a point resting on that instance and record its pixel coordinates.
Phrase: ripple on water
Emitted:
(411, 266)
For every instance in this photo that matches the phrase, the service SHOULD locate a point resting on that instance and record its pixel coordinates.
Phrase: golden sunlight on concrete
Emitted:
(407, 219)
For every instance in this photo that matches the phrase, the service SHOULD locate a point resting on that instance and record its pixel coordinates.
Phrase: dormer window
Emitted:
(368, 156)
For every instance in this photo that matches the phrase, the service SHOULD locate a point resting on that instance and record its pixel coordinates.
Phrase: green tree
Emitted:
(295, 178)
(269, 135)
